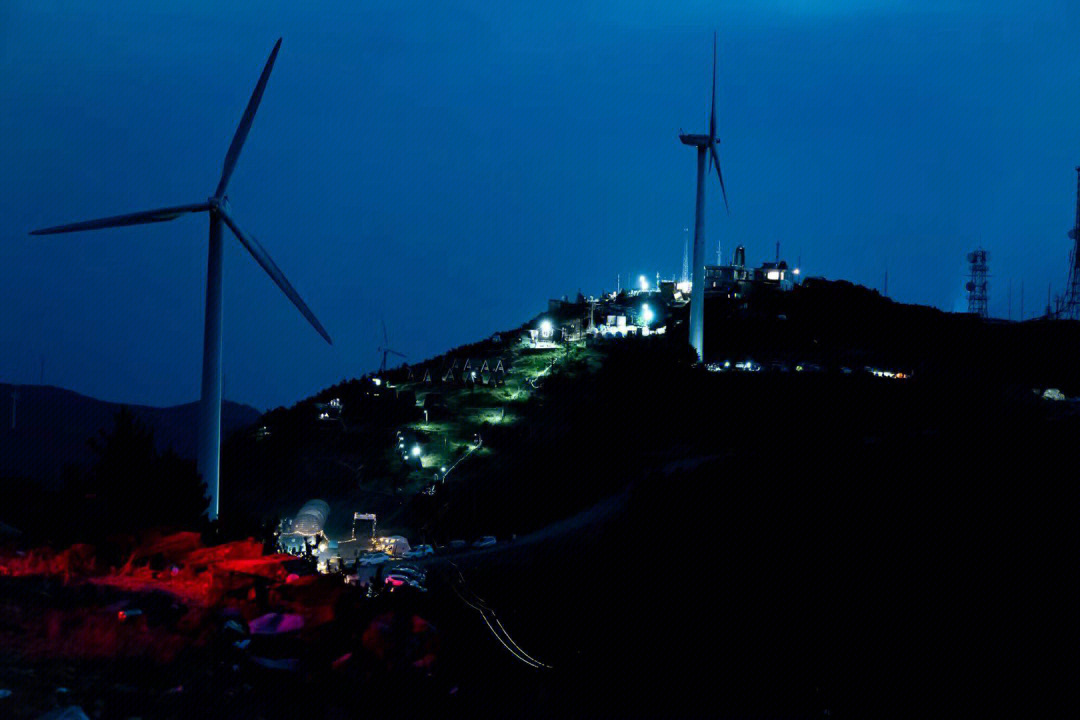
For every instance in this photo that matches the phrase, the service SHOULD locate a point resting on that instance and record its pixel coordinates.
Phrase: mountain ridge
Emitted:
(53, 426)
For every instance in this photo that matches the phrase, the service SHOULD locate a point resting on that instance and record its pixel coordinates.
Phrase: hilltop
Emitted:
(502, 418)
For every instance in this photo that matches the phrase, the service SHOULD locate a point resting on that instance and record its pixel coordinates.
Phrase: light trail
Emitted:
(484, 610)
(509, 649)
(471, 451)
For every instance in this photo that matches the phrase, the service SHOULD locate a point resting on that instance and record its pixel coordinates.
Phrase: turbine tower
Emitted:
(385, 349)
(220, 212)
(706, 145)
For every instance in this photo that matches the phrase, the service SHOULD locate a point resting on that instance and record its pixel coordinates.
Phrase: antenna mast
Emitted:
(976, 286)
(686, 256)
(1070, 308)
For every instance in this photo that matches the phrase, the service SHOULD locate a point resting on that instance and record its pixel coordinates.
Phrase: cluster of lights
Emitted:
(887, 374)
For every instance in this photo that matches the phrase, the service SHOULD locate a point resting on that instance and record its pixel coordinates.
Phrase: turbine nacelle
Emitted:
(697, 140)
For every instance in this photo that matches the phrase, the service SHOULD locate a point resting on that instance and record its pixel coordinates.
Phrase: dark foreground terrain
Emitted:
(674, 543)
(904, 550)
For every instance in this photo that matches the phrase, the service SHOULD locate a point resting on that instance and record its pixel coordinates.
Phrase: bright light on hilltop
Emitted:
(545, 328)
(416, 451)
(647, 315)
(644, 282)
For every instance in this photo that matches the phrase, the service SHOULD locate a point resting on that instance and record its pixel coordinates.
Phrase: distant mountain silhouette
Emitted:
(53, 426)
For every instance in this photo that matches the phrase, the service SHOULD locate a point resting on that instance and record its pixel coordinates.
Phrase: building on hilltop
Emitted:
(738, 281)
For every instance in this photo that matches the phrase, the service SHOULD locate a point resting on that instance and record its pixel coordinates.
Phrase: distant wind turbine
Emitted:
(686, 256)
(385, 349)
(706, 145)
(217, 205)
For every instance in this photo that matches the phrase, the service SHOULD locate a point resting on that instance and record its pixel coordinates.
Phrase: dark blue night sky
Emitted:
(451, 165)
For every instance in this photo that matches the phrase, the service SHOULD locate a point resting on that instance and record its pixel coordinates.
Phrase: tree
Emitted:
(133, 487)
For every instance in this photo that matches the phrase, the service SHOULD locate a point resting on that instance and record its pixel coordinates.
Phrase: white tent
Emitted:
(393, 545)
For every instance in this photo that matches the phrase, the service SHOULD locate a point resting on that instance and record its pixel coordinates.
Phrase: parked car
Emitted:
(372, 558)
(420, 551)
(410, 571)
(396, 580)
(486, 541)
(457, 545)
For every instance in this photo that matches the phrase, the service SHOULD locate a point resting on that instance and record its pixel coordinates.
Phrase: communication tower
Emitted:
(976, 286)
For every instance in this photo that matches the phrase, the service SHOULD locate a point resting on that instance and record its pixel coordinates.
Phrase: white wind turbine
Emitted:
(220, 212)
(706, 145)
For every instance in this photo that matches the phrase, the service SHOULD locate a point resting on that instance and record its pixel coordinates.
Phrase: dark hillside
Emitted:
(793, 543)
(611, 410)
(841, 324)
(53, 427)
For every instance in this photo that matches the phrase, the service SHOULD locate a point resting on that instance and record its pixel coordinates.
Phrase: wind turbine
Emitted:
(385, 349)
(706, 145)
(220, 212)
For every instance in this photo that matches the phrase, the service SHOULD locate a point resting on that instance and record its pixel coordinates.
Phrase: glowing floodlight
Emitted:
(647, 314)
(416, 451)
(546, 329)
(644, 282)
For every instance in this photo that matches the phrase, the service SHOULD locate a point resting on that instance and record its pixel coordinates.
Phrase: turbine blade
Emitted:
(245, 123)
(139, 218)
(275, 274)
(712, 113)
(395, 352)
(716, 159)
